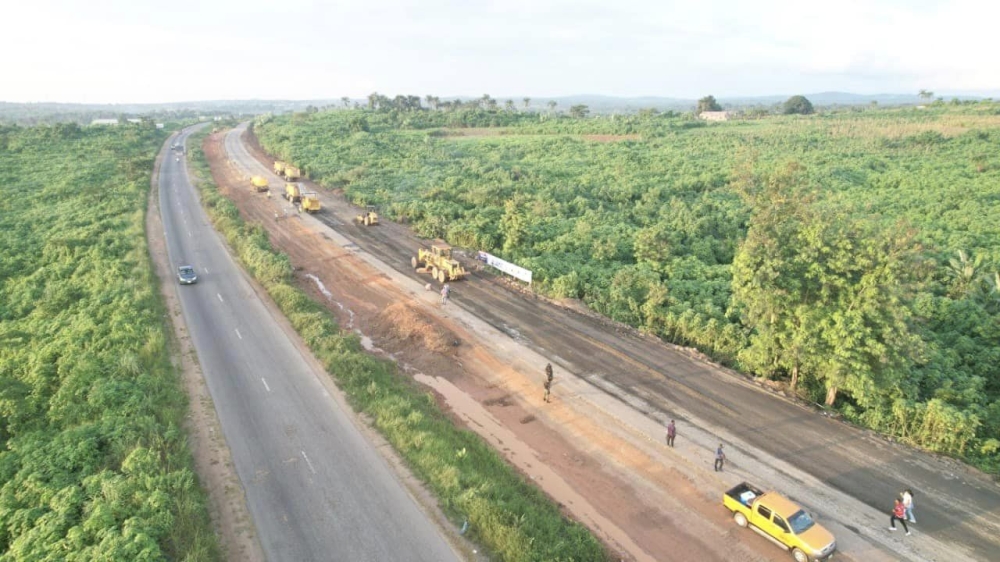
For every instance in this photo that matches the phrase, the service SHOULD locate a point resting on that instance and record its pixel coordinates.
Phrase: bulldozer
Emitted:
(368, 218)
(292, 192)
(259, 183)
(309, 202)
(439, 263)
(279, 167)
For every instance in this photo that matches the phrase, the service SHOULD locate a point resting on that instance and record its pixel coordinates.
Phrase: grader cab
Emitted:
(368, 218)
(439, 263)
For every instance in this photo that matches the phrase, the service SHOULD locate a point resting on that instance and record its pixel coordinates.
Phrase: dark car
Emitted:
(186, 275)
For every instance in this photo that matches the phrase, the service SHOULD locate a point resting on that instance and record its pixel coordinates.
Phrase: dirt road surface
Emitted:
(598, 448)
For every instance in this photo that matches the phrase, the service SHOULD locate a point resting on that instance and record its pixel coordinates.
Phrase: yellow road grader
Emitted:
(438, 261)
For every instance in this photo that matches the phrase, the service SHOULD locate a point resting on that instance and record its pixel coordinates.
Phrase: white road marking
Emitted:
(190, 235)
(206, 269)
(220, 297)
(265, 384)
(308, 462)
(238, 333)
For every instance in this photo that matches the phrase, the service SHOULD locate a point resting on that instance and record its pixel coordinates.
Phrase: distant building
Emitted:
(714, 115)
(159, 125)
(104, 122)
(134, 120)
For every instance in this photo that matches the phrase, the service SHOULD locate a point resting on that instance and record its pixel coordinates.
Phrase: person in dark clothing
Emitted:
(720, 458)
(898, 514)
(548, 381)
(671, 433)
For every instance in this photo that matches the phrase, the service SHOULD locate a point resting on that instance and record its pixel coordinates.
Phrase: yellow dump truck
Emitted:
(279, 167)
(439, 263)
(781, 521)
(292, 173)
(259, 183)
(292, 192)
(309, 202)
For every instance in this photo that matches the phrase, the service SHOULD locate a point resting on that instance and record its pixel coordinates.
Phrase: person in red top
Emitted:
(898, 514)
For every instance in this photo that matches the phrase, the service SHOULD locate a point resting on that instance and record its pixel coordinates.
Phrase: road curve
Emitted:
(316, 488)
(958, 507)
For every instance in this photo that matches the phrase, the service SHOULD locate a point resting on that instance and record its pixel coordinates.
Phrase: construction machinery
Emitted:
(368, 218)
(439, 263)
(259, 183)
(309, 202)
(292, 173)
(279, 167)
(292, 192)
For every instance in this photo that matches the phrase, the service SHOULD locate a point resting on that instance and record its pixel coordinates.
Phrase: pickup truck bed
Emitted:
(743, 494)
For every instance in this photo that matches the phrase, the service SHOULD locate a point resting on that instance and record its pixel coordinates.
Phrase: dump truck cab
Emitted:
(292, 192)
(309, 202)
(781, 521)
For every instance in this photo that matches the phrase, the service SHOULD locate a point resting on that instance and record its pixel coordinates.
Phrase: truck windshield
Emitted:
(800, 522)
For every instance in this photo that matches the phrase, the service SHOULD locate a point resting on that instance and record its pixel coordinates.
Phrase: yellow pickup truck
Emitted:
(781, 521)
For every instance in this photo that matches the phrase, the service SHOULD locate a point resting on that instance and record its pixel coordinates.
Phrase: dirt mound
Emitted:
(405, 325)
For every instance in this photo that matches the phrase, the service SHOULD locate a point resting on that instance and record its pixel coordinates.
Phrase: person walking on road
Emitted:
(671, 433)
(548, 381)
(898, 514)
(445, 293)
(720, 458)
(908, 504)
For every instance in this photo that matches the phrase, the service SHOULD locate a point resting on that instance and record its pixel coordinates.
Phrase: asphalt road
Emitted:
(316, 488)
(957, 506)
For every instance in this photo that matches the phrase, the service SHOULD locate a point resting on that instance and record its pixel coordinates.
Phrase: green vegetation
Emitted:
(507, 515)
(853, 254)
(708, 103)
(93, 461)
(797, 105)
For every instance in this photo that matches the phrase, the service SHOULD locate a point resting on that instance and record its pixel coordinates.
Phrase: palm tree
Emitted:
(552, 105)
(925, 94)
(373, 100)
(527, 102)
(509, 105)
(964, 270)
(346, 101)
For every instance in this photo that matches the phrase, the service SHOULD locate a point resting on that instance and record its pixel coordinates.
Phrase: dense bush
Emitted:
(645, 229)
(93, 463)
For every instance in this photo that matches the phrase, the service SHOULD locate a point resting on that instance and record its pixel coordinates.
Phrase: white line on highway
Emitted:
(309, 463)
(220, 297)
(206, 269)
(191, 235)
(238, 333)
(265, 384)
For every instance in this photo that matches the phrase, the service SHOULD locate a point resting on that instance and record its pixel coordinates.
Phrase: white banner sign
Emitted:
(506, 267)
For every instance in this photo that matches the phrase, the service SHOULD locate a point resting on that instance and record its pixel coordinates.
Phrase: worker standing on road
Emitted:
(720, 458)
(445, 293)
(671, 433)
(548, 382)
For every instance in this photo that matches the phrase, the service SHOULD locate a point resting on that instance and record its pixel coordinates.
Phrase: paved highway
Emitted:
(317, 490)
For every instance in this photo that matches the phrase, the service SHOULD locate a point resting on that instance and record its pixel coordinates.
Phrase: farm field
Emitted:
(93, 459)
(850, 256)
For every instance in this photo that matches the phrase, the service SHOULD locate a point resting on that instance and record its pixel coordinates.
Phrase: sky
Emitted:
(137, 51)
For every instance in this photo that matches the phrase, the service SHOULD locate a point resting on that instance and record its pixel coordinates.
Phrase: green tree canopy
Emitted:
(798, 105)
(708, 103)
